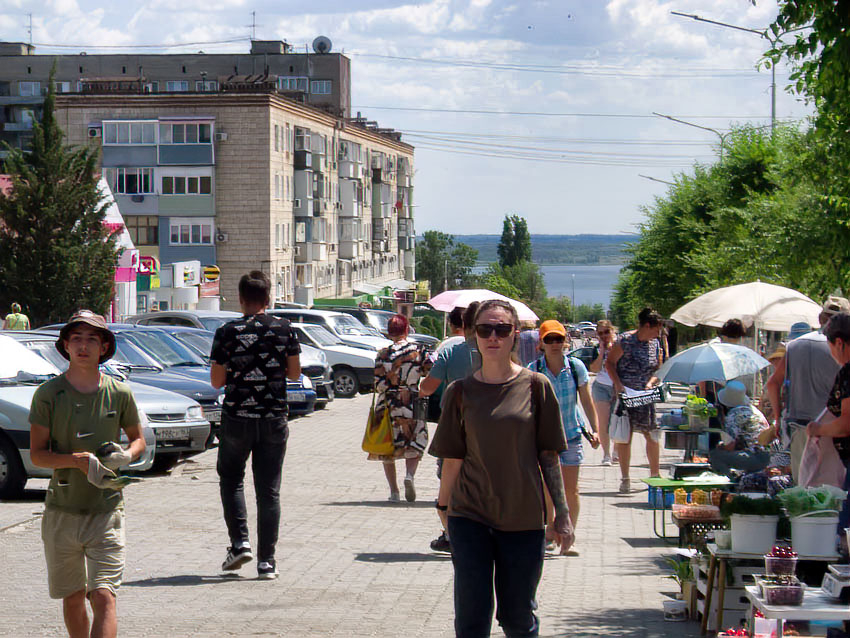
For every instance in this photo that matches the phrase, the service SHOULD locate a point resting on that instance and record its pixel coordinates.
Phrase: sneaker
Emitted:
(625, 486)
(441, 544)
(409, 489)
(236, 557)
(267, 569)
(550, 546)
(394, 497)
(615, 457)
(606, 460)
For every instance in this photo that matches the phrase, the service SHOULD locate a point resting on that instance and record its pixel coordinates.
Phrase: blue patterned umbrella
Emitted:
(719, 362)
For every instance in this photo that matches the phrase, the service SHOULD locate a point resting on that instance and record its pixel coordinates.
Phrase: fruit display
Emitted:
(733, 631)
(781, 561)
(781, 590)
(699, 497)
(680, 496)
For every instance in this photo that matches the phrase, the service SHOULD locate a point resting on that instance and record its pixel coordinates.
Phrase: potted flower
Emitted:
(699, 410)
(683, 574)
(752, 521)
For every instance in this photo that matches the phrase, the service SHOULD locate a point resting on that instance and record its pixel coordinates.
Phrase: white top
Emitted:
(602, 377)
(816, 606)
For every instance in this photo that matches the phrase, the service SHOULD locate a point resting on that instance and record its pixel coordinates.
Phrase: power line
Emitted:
(544, 114)
(553, 139)
(139, 46)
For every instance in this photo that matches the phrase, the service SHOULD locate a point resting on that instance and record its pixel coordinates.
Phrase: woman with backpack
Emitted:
(569, 377)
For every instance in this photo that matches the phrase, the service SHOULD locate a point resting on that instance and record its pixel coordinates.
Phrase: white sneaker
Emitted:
(625, 486)
(394, 497)
(409, 489)
(606, 460)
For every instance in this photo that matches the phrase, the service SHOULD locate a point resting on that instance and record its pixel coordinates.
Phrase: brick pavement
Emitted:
(351, 564)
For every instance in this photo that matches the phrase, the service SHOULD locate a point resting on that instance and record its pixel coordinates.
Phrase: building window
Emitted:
(143, 229)
(126, 132)
(129, 181)
(177, 86)
(321, 87)
(193, 133)
(206, 85)
(277, 186)
(302, 139)
(190, 231)
(291, 83)
(287, 143)
(276, 138)
(186, 185)
(62, 87)
(29, 89)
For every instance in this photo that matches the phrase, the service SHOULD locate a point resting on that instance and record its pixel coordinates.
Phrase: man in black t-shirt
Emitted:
(251, 358)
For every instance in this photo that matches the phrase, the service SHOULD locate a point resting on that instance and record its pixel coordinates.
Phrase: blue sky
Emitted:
(603, 66)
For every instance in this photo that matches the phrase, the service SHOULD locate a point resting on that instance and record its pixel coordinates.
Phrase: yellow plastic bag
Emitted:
(378, 438)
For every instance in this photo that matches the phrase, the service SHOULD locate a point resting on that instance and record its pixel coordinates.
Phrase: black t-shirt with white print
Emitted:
(254, 350)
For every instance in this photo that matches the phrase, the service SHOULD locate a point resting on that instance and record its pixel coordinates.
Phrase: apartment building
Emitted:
(246, 174)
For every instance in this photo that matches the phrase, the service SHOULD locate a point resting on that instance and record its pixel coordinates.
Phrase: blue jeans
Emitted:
(484, 557)
(265, 440)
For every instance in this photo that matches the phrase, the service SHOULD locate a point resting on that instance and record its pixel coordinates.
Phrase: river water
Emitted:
(593, 283)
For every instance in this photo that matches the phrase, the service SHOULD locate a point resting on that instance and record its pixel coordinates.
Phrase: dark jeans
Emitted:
(265, 440)
(484, 557)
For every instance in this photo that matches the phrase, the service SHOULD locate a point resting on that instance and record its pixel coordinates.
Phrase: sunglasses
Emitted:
(604, 332)
(554, 339)
(502, 330)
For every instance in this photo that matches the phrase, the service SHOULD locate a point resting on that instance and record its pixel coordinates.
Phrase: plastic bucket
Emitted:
(814, 535)
(753, 534)
(675, 610)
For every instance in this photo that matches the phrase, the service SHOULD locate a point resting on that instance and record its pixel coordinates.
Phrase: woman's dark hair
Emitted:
(397, 325)
(469, 315)
(254, 288)
(649, 317)
(456, 318)
(733, 329)
(838, 326)
(497, 303)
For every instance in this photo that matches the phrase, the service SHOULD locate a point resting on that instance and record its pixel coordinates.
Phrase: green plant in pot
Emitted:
(752, 521)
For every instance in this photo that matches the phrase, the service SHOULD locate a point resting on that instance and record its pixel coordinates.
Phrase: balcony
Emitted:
(348, 169)
(16, 126)
(302, 207)
(320, 206)
(377, 175)
(303, 160)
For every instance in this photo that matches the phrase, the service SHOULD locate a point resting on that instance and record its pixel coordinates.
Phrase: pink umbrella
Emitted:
(451, 299)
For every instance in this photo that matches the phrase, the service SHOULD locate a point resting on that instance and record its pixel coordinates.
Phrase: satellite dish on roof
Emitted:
(322, 44)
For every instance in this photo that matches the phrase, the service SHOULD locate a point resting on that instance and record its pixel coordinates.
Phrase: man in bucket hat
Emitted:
(75, 420)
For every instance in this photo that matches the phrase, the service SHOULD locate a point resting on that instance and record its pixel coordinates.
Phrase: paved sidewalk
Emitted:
(351, 564)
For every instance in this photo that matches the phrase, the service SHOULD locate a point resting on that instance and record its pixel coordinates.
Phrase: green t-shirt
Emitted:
(82, 423)
(17, 321)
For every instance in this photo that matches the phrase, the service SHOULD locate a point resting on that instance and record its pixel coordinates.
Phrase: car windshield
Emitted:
(198, 342)
(47, 350)
(19, 365)
(128, 353)
(320, 335)
(214, 323)
(164, 348)
(346, 325)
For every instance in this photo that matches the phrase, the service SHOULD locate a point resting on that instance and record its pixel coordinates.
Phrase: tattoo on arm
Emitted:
(551, 468)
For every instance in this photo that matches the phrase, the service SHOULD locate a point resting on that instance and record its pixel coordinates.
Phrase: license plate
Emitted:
(212, 415)
(296, 397)
(171, 434)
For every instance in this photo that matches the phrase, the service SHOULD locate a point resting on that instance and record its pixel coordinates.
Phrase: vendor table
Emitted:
(816, 606)
(721, 557)
(691, 437)
(671, 485)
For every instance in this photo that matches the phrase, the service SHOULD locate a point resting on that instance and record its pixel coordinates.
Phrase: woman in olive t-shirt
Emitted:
(499, 430)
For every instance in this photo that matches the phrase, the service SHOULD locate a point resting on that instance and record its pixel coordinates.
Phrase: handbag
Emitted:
(378, 438)
(820, 464)
(619, 426)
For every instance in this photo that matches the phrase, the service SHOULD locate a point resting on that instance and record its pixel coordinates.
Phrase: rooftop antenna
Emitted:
(30, 28)
(253, 25)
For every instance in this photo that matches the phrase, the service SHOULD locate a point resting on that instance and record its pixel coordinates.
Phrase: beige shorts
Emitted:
(83, 551)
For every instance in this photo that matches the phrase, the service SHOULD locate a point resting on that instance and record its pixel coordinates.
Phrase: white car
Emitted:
(352, 369)
(345, 327)
(21, 372)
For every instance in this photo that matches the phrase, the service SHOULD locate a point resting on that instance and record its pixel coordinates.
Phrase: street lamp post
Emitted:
(722, 136)
(575, 316)
(763, 34)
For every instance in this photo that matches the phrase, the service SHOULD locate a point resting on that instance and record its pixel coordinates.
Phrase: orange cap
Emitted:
(552, 326)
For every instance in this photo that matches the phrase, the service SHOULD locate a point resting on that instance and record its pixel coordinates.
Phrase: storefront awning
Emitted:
(368, 289)
(400, 284)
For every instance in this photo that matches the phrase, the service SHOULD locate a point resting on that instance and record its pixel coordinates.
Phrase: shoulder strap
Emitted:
(573, 370)
(459, 398)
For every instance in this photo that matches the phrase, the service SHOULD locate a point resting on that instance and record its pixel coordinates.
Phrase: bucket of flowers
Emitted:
(699, 410)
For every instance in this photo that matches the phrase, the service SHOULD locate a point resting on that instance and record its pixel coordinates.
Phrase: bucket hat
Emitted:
(777, 353)
(733, 395)
(833, 305)
(798, 330)
(94, 320)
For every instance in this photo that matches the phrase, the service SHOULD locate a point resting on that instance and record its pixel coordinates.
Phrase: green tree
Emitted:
(515, 244)
(439, 257)
(56, 255)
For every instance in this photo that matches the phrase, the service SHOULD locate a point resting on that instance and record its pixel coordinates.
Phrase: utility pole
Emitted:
(762, 34)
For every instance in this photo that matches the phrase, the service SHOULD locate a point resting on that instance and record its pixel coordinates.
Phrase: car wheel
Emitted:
(12, 476)
(164, 462)
(346, 384)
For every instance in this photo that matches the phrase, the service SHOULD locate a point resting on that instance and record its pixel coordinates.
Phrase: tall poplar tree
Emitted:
(56, 255)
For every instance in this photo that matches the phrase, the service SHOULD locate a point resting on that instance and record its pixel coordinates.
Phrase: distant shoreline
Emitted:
(559, 250)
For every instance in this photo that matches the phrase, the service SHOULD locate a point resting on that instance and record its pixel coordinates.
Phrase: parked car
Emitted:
(21, 372)
(345, 327)
(585, 354)
(378, 320)
(176, 422)
(353, 369)
(206, 319)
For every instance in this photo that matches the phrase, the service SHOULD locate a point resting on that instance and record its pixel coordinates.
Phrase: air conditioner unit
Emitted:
(220, 237)
(297, 251)
(221, 137)
(94, 131)
(296, 202)
(138, 198)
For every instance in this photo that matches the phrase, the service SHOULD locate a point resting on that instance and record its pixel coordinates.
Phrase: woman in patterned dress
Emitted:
(632, 363)
(398, 369)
